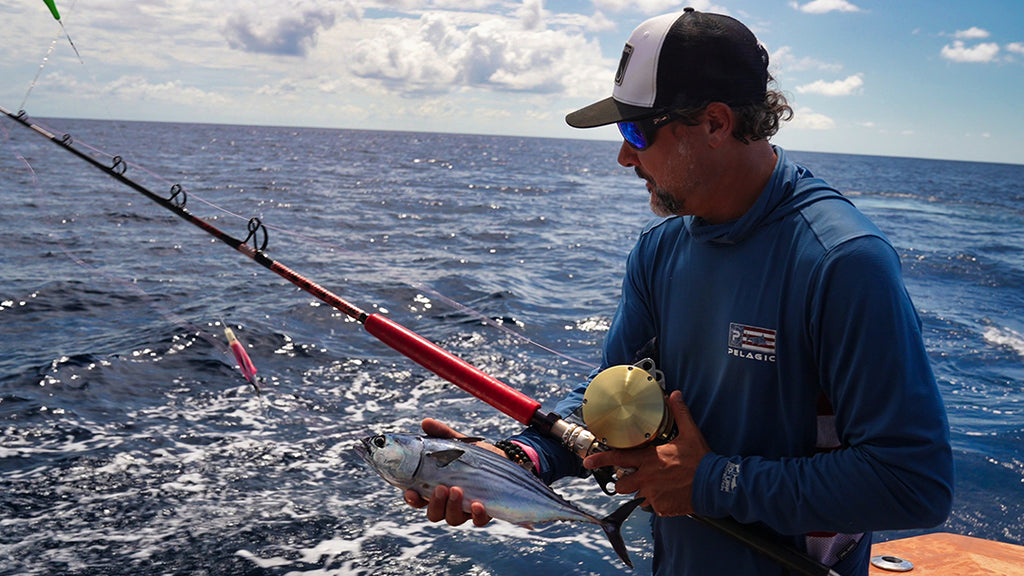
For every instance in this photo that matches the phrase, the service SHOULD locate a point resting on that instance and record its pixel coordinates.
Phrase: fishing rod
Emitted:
(497, 394)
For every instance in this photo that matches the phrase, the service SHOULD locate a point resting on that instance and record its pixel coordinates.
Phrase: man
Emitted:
(797, 373)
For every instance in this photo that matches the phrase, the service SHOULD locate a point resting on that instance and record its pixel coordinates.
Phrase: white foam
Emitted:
(1005, 337)
(262, 562)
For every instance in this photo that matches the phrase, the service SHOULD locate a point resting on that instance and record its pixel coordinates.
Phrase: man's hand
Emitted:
(446, 503)
(664, 474)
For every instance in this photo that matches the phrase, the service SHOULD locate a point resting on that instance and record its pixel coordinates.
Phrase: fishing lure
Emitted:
(242, 357)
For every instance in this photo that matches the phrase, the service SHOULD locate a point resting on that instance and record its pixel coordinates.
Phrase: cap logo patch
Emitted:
(623, 62)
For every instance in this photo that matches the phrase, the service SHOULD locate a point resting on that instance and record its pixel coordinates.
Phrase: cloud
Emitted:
(436, 55)
(851, 85)
(293, 33)
(972, 33)
(600, 23)
(807, 119)
(132, 88)
(657, 6)
(959, 52)
(784, 59)
(1016, 48)
(825, 6)
(531, 14)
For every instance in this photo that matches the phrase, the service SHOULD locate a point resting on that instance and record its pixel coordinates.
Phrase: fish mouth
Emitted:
(363, 448)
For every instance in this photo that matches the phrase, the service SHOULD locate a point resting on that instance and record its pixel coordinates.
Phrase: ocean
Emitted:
(131, 444)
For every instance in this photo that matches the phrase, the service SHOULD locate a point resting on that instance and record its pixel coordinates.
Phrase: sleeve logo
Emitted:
(730, 476)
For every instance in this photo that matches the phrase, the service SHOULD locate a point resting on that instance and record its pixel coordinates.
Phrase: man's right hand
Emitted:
(446, 503)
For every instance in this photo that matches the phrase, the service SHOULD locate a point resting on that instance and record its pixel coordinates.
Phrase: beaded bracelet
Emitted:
(516, 454)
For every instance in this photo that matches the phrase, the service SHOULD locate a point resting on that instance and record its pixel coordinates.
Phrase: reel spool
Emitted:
(625, 406)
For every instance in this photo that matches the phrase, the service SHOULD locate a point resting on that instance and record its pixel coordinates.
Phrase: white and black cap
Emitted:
(678, 61)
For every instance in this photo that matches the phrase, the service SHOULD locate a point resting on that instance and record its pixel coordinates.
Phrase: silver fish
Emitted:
(506, 490)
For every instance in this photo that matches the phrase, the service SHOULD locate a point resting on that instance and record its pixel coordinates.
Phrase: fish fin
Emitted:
(445, 457)
(612, 525)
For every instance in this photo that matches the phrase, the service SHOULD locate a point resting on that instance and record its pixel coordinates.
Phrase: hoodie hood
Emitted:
(791, 188)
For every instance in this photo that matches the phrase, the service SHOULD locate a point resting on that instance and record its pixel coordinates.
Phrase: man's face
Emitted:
(670, 169)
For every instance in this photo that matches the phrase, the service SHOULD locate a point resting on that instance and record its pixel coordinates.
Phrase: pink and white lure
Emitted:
(244, 362)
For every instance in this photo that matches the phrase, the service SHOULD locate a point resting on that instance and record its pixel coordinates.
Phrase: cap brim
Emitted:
(607, 111)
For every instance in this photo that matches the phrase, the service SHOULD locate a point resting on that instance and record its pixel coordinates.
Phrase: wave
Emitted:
(1005, 338)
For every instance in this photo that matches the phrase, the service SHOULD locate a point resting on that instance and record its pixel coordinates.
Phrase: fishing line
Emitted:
(53, 44)
(56, 16)
(46, 58)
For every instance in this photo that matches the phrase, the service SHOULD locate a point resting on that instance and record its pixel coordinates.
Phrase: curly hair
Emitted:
(757, 121)
(761, 121)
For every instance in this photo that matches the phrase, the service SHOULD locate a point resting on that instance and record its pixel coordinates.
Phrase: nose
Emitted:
(627, 155)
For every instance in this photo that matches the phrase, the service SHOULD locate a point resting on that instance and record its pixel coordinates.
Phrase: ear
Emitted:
(719, 119)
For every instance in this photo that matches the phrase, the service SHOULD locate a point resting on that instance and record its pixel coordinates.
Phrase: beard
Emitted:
(662, 203)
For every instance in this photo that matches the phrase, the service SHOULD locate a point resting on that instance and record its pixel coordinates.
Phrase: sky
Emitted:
(916, 78)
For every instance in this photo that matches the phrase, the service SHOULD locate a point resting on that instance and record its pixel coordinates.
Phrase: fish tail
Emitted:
(612, 525)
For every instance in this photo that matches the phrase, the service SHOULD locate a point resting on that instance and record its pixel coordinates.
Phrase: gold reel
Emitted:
(625, 406)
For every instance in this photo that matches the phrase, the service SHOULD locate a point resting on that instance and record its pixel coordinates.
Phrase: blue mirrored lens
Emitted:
(632, 134)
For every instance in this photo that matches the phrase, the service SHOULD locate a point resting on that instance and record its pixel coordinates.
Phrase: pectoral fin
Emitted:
(445, 457)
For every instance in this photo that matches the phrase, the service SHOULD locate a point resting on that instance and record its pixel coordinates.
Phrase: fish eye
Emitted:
(378, 441)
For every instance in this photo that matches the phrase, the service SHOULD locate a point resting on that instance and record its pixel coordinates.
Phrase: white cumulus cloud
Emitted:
(825, 6)
(658, 6)
(291, 32)
(846, 87)
(960, 52)
(435, 55)
(134, 87)
(531, 14)
(1016, 48)
(972, 33)
(807, 119)
(784, 59)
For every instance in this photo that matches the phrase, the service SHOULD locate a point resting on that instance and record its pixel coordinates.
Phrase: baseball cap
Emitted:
(677, 61)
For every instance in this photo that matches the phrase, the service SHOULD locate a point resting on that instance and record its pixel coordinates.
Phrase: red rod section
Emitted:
(453, 369)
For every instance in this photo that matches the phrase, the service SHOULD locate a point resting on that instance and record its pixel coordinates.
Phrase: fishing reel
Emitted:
(624, 407)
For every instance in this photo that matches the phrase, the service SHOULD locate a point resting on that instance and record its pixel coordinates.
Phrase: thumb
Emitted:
(680, 411)
(438, 429)
(686, 428)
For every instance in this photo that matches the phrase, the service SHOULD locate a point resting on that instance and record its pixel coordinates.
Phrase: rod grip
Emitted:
(452, 368)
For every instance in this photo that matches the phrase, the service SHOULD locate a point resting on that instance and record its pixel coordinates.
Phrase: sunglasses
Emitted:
(640, 133)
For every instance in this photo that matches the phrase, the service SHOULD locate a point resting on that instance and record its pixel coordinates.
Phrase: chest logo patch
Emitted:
(751, 342)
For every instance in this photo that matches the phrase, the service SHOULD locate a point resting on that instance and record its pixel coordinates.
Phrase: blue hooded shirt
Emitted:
(760, 322)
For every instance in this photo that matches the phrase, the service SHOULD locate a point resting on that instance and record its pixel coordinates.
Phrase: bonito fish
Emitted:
(506, 490)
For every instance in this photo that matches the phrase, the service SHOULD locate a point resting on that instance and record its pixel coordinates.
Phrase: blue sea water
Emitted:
(131, 444)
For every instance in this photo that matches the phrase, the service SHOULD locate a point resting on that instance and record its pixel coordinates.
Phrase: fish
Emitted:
(508, 491)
